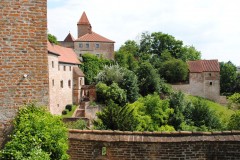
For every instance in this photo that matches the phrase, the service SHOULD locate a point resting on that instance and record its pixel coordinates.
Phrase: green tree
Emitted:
(114, 117)
(152, 113)
(234, 100)
(37, 134)
(199, 115)
(174, 70)
(190, 54)
(113, 92)
(52, 38)
(148, 79)
(228, 77)
(91, 66)
(234, 123)
(125, 79)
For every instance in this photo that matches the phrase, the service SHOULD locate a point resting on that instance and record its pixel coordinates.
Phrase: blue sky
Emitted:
(211, 26)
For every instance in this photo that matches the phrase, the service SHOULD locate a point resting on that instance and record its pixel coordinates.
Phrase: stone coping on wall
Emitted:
(127, 136)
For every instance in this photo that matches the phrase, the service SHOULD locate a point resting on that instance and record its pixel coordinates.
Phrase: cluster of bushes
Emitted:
(67, 109)
(37, 135)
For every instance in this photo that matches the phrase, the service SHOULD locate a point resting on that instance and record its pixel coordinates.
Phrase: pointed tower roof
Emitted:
(69, 38)
(83, 19)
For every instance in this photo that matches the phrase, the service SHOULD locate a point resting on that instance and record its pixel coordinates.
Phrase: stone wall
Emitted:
(23, 56)
(117, 145)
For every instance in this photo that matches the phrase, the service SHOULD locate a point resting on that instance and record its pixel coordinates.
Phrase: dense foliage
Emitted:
(37, 135)
(52, 38)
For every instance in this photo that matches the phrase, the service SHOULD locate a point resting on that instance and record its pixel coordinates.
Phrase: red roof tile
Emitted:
(66, 55)
(203, 66)
(69, 38)
(93, 37)
(83, 19)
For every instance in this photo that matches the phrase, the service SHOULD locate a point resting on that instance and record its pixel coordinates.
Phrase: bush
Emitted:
(37, 135)
(79, 124)
(64, 112)
(69, 107)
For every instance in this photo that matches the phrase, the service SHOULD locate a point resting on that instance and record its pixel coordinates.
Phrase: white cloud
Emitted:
(212, 26)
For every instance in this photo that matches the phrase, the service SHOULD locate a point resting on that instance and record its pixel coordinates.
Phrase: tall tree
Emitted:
(228, 79)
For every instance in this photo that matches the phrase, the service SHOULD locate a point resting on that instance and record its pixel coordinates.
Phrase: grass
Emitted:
(69, 114)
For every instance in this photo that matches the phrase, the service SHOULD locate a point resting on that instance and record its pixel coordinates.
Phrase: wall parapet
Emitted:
(156, 137)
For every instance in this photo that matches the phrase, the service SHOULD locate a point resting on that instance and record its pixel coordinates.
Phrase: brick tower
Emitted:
(23, 58)
(84, 25)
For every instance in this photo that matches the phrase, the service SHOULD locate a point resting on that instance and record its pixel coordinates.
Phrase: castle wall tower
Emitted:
(23, 58)
(84, 25)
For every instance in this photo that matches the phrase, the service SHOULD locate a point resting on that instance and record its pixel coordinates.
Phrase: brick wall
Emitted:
(23, 51)
(153, 145)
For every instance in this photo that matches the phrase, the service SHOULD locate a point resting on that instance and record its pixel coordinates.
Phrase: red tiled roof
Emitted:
(203, 66)
(66, 55)
(83, 19)
(93, 37)
(69, 38)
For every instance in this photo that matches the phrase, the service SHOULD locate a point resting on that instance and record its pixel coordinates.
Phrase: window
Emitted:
(210, 83)
(69, 83)
(97, 45)
(64, 68)
(87, 45)
(61, 83)
(80, 55)
(59, 67)
(70, 68)
(52, 64)
(210, 74)
(80, 45)
(53, 82)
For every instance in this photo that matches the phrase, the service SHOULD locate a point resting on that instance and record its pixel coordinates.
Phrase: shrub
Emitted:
(37, 135)
(79, 124)
(64, 112)
(68, 107)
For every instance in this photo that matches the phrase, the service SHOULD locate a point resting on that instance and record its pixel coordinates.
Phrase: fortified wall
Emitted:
(118, 145)
(23, 57)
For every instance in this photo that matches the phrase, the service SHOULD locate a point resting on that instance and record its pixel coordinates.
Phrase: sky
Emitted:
(211, 26)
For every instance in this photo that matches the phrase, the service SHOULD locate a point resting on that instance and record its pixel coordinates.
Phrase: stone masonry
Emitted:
(23, 57)
(118, 145)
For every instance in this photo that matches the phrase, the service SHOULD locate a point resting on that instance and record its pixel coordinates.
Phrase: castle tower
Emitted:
(84, 25)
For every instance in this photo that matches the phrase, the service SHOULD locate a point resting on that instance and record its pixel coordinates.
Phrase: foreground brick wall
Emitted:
(154, 145)
(23, 51)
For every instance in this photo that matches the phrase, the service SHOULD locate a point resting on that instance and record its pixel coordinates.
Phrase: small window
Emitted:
(210, 74)
(64, 68)
(58, 105)
(80, 55)
(87, 45)
(52, 64)
(53, 82)
(97, 45)
(80, 81)
(69, 83)
(80, 45)
(59, 67)
(210, 83)
(70, 68)
(61, 83)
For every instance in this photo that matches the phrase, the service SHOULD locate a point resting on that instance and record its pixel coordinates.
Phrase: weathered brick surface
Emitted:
(23, 50)
(86, 145)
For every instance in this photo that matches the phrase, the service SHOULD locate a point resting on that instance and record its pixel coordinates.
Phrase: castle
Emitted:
(89, 41)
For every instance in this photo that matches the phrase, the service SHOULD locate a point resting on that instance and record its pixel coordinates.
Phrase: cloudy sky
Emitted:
(211, 26)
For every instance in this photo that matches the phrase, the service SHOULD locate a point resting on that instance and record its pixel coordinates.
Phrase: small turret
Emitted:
(84, 25)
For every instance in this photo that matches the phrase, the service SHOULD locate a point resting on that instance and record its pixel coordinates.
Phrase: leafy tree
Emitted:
(113, 92)
(52, 38)
(234, 100)
(199, 115)
(179, 103)
(37, 135)
(91, 66)
(228, 79)
(189, 54)
(125, 79)
(114, 117)
(148, 79)
(152, 113)
(174, 70)
(234, 123)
